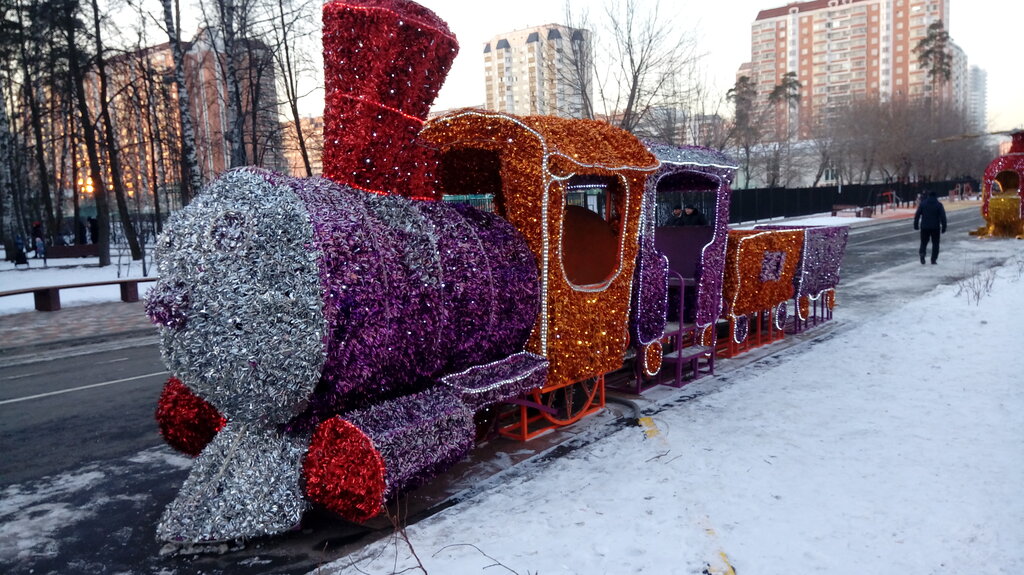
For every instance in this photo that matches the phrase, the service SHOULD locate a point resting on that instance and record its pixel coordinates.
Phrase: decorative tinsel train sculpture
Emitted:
(331, 339)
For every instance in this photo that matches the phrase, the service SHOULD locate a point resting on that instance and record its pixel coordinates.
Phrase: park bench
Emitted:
(48, 298)
(852, 210)
(75, 251)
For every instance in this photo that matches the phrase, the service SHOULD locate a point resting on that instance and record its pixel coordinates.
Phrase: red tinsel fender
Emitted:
(344, 472)
(384, 62)
(186, 420)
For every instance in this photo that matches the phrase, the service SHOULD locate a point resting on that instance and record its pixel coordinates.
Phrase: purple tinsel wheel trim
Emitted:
(483, 385)
(417, 436)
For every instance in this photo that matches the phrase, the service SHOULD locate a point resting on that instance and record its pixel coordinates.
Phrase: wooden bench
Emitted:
(75, 251)
(48, 298)
(855, 211)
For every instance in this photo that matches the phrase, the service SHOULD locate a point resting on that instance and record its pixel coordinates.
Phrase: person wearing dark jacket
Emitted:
(676, 219)
(930, 218)
(692, 217)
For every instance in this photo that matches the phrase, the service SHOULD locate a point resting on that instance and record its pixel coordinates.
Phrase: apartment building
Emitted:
(841, 50)
(539, 70)
(977, 99)
(145, 117)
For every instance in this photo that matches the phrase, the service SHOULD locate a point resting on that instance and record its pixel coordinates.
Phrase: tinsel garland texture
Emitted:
(332, 298)
(693, 169)
(384, 62)
(760, 267)
(282, 296)
(582, 330)
(354, 465)
(187, 423)
(411, 290)
(822, 255)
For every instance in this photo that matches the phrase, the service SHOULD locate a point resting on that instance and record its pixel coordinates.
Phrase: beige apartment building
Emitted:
(533, 71)
(841, 50)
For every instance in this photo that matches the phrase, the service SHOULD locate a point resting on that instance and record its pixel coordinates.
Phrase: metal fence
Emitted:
(768, 203)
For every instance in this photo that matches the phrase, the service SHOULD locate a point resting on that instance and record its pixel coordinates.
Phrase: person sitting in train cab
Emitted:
(692, 217)
(676, 219)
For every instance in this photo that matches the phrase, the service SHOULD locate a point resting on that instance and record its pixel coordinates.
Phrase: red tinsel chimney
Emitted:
(1017, 145)
(384, 62)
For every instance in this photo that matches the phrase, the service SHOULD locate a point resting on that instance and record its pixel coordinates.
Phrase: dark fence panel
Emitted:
(769, 203)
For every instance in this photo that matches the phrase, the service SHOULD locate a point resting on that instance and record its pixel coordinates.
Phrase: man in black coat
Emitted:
(930, 218)
(676, 219)
(692, 217)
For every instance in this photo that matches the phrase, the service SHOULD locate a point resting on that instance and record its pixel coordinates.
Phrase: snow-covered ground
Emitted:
(893, 446)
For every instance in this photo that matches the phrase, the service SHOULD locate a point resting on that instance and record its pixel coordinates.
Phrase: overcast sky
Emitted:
(983, 28)
(723, 30)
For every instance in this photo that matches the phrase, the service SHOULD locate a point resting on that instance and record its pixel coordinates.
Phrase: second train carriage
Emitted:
(680, 268)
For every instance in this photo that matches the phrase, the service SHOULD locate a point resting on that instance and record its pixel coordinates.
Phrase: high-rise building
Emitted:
(540, 70)
(841, 50)
(977, 99)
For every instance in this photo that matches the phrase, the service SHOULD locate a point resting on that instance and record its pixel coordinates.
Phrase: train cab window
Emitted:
(591, 235)
(688, 188)
(472, 176)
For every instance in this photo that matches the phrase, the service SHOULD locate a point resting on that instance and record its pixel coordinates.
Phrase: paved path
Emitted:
(28, 332)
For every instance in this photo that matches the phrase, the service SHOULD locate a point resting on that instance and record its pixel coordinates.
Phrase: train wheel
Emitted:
(570, 403)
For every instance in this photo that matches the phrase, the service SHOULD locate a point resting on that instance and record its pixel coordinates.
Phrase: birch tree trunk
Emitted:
(113, 148)
(192, 179)
(36, 121)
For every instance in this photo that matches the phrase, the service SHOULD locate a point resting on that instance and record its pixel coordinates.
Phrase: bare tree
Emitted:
(639, 53)
(112, 147)
(76, 74)
(191, 179)
(228, 24)
(30, 87)
(292, 22)
(746, 129)
(785, 101)
(7, 192)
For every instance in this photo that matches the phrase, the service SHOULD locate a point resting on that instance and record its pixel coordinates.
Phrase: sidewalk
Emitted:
(35, 331)
(23, 334)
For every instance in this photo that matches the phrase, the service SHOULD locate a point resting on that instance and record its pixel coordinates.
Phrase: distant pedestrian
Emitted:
(930, 218)
(94, 231)
(37, 240)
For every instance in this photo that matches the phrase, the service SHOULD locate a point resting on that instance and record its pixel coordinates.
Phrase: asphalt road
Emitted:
(77, 410)
(79, 432)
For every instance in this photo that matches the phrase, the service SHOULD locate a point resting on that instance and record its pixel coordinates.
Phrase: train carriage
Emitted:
(685, 263)
(575, 190)
(760, 268)
(814, 283)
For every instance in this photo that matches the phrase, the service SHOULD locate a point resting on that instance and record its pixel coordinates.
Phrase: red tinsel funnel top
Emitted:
(1017, 145)
(384, 63)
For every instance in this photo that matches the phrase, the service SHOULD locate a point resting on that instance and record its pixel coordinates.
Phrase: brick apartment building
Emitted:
(842, 50)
